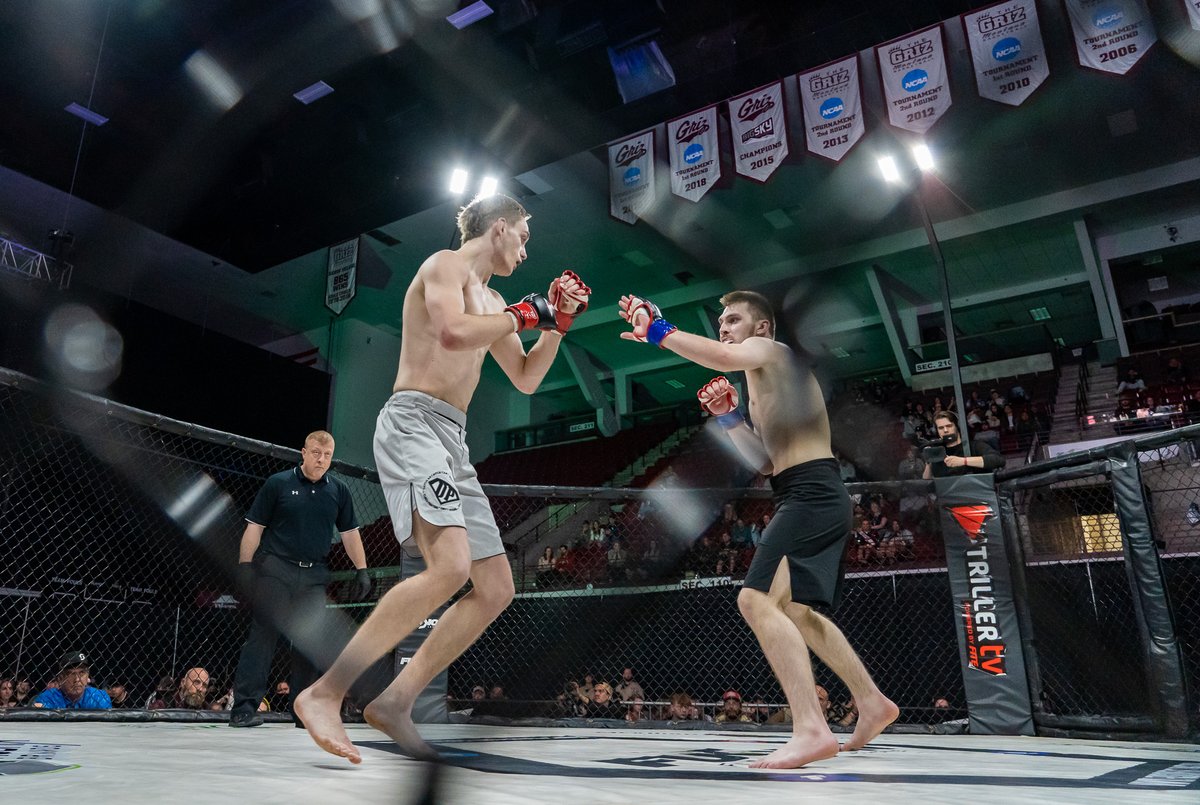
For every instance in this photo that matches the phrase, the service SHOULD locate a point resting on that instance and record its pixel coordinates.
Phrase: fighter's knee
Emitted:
(750, 601)
(497, 595)
(451, 574)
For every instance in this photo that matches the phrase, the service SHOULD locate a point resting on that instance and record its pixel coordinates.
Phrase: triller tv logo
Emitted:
(986, 647)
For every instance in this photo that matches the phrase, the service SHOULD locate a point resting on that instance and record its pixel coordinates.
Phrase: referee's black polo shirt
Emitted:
(299, 516)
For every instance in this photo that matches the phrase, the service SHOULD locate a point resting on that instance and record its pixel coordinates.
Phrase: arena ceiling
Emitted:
(232, 189)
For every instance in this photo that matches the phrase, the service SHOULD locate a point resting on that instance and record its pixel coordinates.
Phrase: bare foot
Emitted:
(873, 716)
(396, 723)
(322, 718)
(799, 752)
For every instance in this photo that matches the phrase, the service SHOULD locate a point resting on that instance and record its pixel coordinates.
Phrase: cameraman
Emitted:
(986, 458)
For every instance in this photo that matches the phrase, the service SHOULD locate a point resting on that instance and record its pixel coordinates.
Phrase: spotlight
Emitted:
(488, 186)
(887, 166)
(923, 157)
(458, 181)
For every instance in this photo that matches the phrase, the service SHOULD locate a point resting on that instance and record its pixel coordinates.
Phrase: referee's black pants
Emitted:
(289, 601)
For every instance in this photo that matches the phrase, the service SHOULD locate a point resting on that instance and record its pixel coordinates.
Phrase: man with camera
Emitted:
(944, 456)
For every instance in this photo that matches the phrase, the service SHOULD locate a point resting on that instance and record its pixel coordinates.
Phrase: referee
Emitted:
(282, 565)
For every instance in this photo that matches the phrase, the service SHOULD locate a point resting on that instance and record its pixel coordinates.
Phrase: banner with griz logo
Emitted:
(631, 176)
(989, 640)
(832, 101)
(915, 84)
(1007, 50)
(695, 161)
(759, 131)
(1111, 35)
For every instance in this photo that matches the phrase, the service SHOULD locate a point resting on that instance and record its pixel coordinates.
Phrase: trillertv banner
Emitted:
(695, 159)
(1193, 7)
(1007, 50)
(340, 275)
(1111, 35)
(631, 176)
(915, 82)
(989, 641)
(759, 131)
(831, 98)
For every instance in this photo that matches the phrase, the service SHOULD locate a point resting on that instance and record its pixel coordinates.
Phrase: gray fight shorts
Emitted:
(421, 456)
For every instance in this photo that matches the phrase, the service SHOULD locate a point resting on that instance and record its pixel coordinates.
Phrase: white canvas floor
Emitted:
(57, 762)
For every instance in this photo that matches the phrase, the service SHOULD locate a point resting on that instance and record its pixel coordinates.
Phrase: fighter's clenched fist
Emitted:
(646, 320)
(569, 297)
(720, 398)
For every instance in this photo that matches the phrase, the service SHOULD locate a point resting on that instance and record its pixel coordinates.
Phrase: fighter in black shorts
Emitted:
(798, 562)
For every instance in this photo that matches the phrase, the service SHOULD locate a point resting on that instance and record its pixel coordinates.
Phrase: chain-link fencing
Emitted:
(1109, 549)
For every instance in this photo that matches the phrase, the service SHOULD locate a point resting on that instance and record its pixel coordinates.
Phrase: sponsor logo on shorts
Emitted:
(440, 492)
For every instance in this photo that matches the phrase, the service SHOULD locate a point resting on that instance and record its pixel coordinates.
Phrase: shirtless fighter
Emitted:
(451, 319)
(798, 562)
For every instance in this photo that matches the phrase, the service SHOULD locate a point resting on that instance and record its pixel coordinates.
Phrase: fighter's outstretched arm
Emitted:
(648, 325)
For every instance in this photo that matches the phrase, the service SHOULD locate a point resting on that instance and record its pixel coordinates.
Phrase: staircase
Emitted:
(1100, 399)
(648, 459)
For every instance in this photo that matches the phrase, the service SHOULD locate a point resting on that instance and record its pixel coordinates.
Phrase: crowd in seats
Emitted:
(1164, 385)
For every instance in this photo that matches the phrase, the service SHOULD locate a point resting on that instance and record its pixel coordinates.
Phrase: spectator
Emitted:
(8, 694)
(653, 554)
(703, 557)
(629, 688)
(1132, 382)
(118, 694)
(726, 555)
(602, 704)
(71, 690)
(21, 693)
(596, 535)
(847, 471)
(994, 415)
(280, 700)
(903, 541)
(545, 568)
(1009, 422)
(192, 693)
(587, 689)
(163, 695)
(731, 709)
(881, 524)
(911, 466)
(563, 563)
(862, 543)
(1176, 372)
(997, 399)
(633, 711)
(616, 562)
(1026, 427)
(681, 708)
(1125, 408)
(972, 403)
(478, 694)
(845, 715)
(740, 532)
(758, 711)
(497, 692)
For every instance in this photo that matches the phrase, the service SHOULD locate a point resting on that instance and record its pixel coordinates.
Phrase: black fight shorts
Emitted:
(809, 528)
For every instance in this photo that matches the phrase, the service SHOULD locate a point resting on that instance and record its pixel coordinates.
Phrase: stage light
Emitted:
(887, 166)
(458, 181)
(488, 186)
(923, 157)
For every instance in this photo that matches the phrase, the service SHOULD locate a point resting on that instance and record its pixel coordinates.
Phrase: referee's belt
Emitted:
(298, 563)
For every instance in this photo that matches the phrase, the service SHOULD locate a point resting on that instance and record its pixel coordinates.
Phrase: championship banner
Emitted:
(915, 84)
(631, 177)
(1111, 35)
(340, 276)
(989, 640)
(759, 131)
(831, 98)
(1007, 50)
(1193, 7)
(695, 161)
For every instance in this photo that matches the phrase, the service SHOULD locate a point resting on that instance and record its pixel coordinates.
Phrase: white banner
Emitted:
(695, 160)
(832, 101)
(915, 84)
(759, 131)
(631, 176)
(1111, 35)
(1193, 7)
(340, 275)
(1007, 50)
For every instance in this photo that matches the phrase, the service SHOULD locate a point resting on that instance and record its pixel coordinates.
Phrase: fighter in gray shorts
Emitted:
(421, 455)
